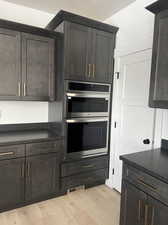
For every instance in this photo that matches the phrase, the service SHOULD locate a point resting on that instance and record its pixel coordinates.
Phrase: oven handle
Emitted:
(88, 95)
(87, 120)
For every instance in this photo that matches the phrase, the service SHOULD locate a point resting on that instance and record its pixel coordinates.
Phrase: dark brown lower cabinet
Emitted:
(42, 178)
(31, 172)
(11, 182)
(138, 208)
(86, 172)
(132, 205)
(157, 212)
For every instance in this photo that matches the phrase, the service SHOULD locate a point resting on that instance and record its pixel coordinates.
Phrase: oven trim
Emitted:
(88, 94)
(82, 154)
(85, 114)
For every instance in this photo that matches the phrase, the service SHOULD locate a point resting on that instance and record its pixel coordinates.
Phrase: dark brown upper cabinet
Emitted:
(88, 47)
(158, 97)
(88, 53)
(77, 51)
(37, 67)
(10, 64)
(102, 56)
(27, 66)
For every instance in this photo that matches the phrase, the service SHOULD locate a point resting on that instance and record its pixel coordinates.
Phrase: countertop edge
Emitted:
(31, 141)
(137, 166)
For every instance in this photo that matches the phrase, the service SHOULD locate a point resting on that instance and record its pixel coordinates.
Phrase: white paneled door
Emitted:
(134, 119)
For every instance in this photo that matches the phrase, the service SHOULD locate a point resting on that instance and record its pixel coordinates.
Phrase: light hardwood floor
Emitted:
(94, 206)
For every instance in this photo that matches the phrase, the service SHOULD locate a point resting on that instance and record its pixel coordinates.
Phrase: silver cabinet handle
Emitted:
(88, 95)
(93, 70)
(24, 89)
(89, 166)
(28, 170)
(84, 120)
(89, 70)
(22, 170)
(19, 89)
(147, 185)
(153, 216)
(86, 74)
(6, 153)
(139, 210)
(146, 214)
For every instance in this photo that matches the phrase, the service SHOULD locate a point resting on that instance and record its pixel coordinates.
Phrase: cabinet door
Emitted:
(132, 205)
(11, 182)
(37, 67)
(157, 213)
(77, 42)
(42, 176)
(10, 75)
(102, 56)
(159, 77)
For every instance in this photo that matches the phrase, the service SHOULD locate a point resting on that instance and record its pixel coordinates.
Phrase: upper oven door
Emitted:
(86, 105)
(85, 99)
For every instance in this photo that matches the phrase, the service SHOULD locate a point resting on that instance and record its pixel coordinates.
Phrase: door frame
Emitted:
(158, 118)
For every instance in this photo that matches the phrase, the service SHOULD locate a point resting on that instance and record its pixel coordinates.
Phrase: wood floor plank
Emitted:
(94, 206)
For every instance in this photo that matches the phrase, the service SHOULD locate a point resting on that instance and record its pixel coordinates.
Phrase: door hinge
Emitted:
(113, 171)
(118, 75)
(115, 124)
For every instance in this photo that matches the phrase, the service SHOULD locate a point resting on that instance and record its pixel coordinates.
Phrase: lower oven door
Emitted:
(87, 136)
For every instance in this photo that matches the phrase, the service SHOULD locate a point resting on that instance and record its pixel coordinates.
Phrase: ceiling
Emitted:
(96, 9)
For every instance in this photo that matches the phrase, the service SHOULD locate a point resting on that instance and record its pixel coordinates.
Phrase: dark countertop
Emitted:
(23, 137)
(153, 162)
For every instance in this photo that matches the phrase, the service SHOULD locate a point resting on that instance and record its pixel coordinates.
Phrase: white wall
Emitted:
(136, 27)
(23, 112)
(136, 34)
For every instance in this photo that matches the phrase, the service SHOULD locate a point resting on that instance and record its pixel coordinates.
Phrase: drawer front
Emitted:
(43, 147)
(12, 151)
(147, 183)
(84, 166)
(83, 179)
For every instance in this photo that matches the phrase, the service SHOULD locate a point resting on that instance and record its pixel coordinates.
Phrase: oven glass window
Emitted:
(86, 136)
(76, 105)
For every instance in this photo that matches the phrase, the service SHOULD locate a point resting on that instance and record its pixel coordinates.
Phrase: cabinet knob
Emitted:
(146, 141)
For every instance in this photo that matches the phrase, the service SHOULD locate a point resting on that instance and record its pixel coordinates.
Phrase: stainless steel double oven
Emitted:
(87, 109)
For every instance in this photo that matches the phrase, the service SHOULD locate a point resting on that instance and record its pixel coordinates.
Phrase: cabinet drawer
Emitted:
(147, 183)
(12, 151)
(84, 166)
(83, 179)
(43, 147)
